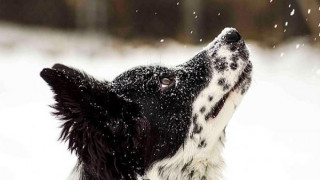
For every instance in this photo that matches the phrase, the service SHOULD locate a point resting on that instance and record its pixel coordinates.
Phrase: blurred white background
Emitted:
(275, 134)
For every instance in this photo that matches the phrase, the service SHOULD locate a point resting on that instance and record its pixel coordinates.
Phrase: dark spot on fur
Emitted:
(197, 129)
(185, 166)
(226, 87)
(203, 178)
(220, 64)
(191, 174)
(234, 66)
(221, 141)
(191, 135)
(235, 58)
(202, 144)
(233, 48)
(160, 170)
(221, 81)
(210, 98)
(244, 90)
(194, 118)
(207, 117)
(203, 109)
(248, 68)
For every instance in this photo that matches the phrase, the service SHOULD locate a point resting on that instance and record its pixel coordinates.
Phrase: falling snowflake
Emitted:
(289, 5)
(292, 12)
(194, 12)
(276, 25)
(286, 24)
(162, 40)
(178, 3)
(309, 11)
(297, 46)
(200, 40)
(282, 54)
(219, 14)
(191, 32)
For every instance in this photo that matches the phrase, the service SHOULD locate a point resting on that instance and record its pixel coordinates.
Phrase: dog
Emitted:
(153, 122)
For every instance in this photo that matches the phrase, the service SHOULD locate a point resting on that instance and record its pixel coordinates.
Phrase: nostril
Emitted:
(233, 36)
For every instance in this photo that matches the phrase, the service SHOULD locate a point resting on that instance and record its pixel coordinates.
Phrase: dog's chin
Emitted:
(239, 88)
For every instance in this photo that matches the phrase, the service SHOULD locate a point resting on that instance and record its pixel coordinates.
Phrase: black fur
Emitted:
(111, 125)
(118, 129)
(104, 130)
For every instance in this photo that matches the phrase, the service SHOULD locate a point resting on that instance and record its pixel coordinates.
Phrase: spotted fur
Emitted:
(153, 122)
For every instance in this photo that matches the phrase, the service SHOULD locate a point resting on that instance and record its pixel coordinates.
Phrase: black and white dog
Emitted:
(153, 122)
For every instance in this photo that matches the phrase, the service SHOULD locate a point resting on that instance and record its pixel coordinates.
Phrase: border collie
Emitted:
(153, 122)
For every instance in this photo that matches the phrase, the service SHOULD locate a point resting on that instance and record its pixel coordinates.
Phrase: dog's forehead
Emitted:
(136, 82)
(138, 74)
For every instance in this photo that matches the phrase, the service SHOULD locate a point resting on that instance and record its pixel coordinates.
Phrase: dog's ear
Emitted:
(97, 122)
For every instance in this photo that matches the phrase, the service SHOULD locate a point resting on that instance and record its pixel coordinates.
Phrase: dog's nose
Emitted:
(233, 36)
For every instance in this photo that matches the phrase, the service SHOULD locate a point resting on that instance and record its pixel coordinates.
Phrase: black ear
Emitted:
(101, 127)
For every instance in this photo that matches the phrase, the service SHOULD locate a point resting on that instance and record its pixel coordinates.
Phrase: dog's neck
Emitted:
(189, 164)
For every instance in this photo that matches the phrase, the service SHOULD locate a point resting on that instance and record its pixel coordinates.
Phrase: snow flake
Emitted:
(271, 1)
(309, 11)
(282, 54)
(285, 30)
(194, 12)
(219, 14)
(297, 46)
(178, 3)
(137, 10)
(196, 17)
(292, 12)
(200, 40)
(191, 32)
(289, 5)
(286, 24)
(162, 40)
(276, 25)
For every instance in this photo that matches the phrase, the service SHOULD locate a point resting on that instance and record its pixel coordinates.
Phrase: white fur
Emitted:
(206, 161)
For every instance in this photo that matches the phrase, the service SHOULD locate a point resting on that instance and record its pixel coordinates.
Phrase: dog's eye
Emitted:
(166, 81)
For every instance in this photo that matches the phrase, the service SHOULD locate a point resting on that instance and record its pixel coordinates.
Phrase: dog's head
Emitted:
(119, 129)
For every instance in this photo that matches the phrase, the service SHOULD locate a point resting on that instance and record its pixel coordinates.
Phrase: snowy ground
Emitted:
(275, 134)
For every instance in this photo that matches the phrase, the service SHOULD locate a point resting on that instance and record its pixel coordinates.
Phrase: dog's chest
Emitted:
(188, 164)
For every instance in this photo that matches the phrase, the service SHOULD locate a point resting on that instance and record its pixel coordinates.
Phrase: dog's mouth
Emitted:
(218, 107)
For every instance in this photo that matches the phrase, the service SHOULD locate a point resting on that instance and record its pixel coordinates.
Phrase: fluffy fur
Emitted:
(153, 122)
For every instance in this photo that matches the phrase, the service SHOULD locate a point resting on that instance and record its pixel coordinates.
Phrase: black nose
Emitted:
(233, 36)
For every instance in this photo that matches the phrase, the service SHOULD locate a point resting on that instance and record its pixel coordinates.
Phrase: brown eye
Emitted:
(166, 81)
